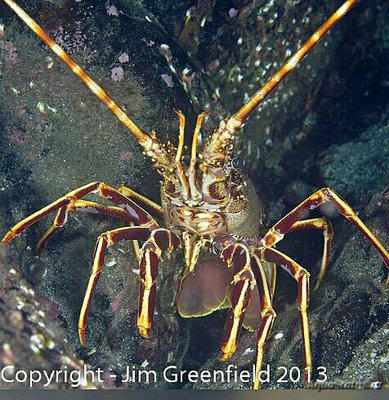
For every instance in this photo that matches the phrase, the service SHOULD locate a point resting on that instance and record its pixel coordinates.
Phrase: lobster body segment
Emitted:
(240, 214)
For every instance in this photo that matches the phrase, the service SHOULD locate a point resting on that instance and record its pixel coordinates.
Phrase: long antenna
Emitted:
(143, 138)
(235, 122)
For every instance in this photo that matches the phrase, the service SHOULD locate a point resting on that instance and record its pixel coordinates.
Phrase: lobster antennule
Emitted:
(195, 193)
(151, 146)
(181, 136)
(193, 154)
(188, 181)
(227, 131)
(180, 147)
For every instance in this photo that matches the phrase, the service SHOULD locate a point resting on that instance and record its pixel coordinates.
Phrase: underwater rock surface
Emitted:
(351, 174)
(30, 339)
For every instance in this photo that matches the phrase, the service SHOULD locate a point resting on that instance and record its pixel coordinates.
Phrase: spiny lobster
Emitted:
(206, 205)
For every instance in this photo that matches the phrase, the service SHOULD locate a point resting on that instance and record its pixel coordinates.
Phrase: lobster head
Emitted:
(210, 178)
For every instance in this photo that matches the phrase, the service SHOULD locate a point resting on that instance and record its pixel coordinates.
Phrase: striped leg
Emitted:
(267, 313)
(153, 208)
(328, 233)
(103, 242)
(134, 213)
(239, 258)
(85, 206)
(151, 252)
(301, 275)
(284, 225)
(251, 273)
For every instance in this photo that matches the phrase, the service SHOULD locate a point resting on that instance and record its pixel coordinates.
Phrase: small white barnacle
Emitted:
(49, 62)
(15, 91)
(265, 9)
(249, 350)
(278, 336)
(41, 107)
(111, 263)
(52, 109)
(37, 343)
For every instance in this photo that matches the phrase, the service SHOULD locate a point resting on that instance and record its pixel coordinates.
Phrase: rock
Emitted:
(360, 167)
(30, 341)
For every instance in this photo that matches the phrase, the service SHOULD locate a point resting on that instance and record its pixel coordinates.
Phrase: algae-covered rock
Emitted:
(360, 167)
(32, 339)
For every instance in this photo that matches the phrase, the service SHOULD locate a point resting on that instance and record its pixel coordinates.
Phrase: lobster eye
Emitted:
(170, 187)
(237, 163)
